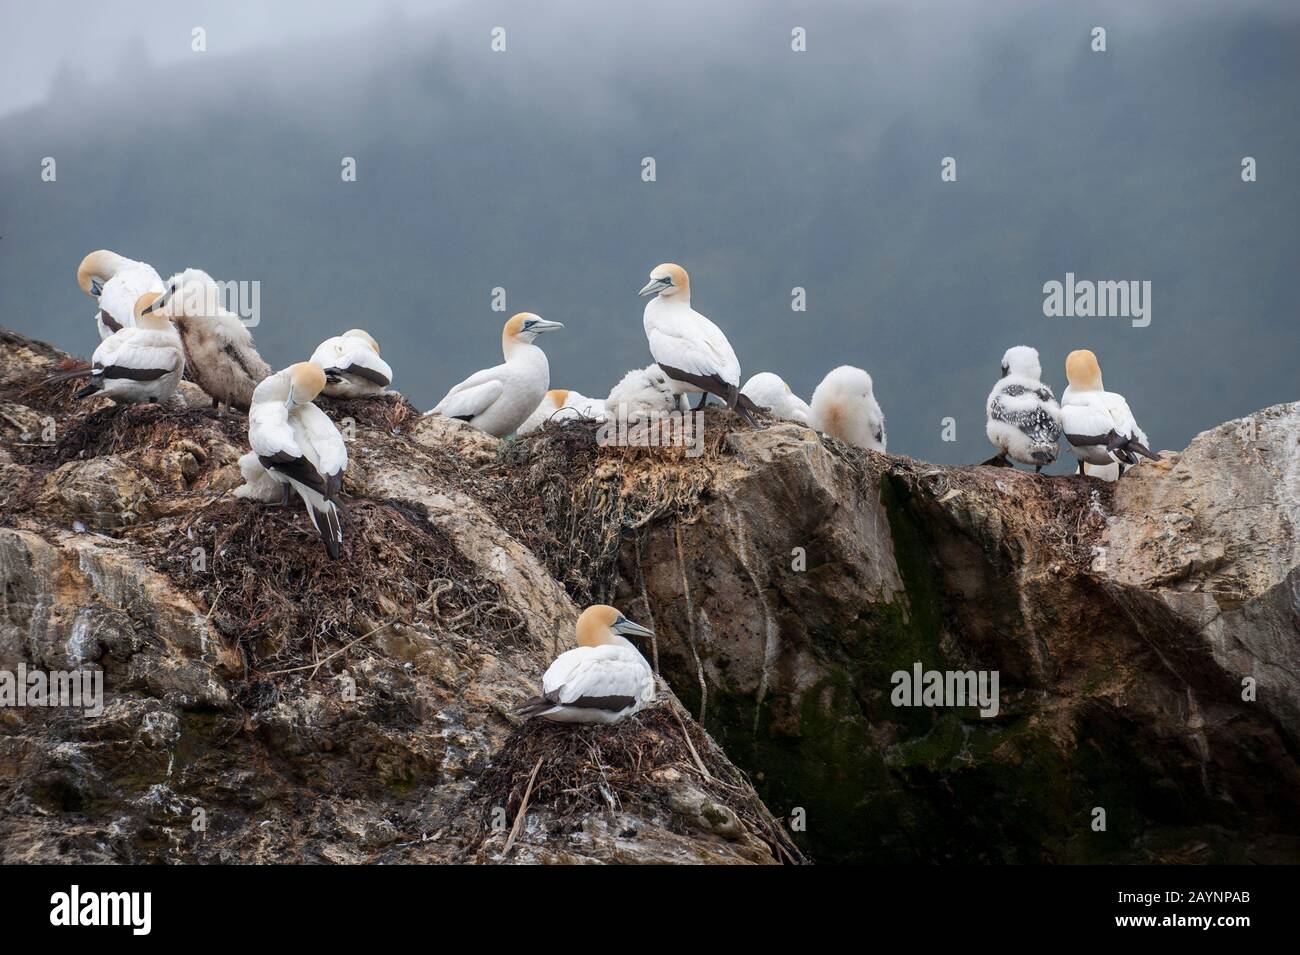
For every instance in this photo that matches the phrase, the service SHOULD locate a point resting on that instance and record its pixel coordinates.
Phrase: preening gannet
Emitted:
(1098, 423)
(353, 368)
(499, 399)
(140, 363)
(219, 348)
(117, 283)
(770, 391)
(844, 407)
(644, 392)
(690, 349)
(561, 405)
(296, 445)
(603, 680)
(1024, 420)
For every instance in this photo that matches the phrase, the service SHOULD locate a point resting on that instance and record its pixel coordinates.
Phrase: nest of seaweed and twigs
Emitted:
(571, 500)
(389, 412)
(266, 580)
(572, 771)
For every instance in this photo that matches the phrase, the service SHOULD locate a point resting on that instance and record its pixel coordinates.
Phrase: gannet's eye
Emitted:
(667, 280)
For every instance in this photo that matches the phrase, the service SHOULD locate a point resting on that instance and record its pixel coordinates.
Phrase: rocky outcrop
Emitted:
(263, 704)
(1146, 634)
(266, 704)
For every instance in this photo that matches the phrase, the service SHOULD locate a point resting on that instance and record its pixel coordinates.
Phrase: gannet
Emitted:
(499, 399)
(844, 407)
(557, 400)
(770, 391)
(1098, 423)
(117, 282)
(643, 392)
(353, 368)
(690, 349)
(295, 444)
(603, 680)
(140, 363)
(1024, 420)
(219, 349)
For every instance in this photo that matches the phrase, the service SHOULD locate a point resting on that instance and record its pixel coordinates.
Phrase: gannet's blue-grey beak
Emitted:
(626, 628)
(654, 286)
(542, 325)
(160, 301)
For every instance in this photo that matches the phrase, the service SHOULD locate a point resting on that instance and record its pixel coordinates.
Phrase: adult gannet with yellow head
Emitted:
(602, 680)
(140, 363)
(845, 407)
(353, 368)
(691, 350)
(499, 399)
(117, 283)
(218, 347)
(295, 445)
(1098, 423)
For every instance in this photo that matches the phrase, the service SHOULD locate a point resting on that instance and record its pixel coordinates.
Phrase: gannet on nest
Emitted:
(295, 445)
(117, 283)
(644, 392)
(499, 399)
(690, 349)
(142, 362)
(844, 407)
(603, 680)
(1024, 420)
(562, 405)
(353, 368)
(218, 347)
(1098, 423)
(768, 390)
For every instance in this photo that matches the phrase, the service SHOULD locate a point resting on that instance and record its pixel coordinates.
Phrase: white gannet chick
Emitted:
(296, 444)
(644, 392)
(218, 346)
(499, 399)
(768, 390)
(602, 680)
(1024, 420)
(142, 362)
(844, 407)
(578, 406)
(690, 349)
(353, 368)
(117, 283)
(1098, 423)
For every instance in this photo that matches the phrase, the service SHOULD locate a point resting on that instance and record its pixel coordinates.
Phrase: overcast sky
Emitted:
(775, 169)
